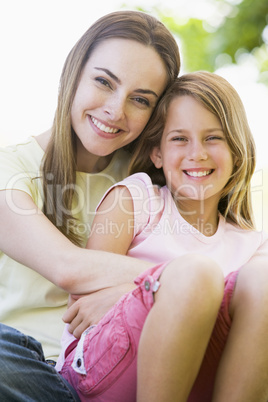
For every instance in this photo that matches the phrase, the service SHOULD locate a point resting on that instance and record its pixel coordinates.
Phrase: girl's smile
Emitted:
(198, 173)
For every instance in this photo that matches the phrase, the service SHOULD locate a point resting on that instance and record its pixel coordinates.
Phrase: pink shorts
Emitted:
(102, 366)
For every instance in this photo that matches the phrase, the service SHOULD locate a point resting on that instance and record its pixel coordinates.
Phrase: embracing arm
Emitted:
(27, 236)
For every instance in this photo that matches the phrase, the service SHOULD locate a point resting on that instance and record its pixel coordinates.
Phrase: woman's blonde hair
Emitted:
(59, 164)
(220, 98)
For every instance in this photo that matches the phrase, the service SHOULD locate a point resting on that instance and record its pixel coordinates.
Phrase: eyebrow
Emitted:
(182, 130)
(108, 72)
(118, 81)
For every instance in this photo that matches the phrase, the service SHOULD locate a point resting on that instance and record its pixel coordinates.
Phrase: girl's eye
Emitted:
(103, 81)
(215, 138)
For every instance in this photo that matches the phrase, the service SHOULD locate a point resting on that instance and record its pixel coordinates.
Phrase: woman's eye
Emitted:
(103, 81)
(179, 139)
(142, 101)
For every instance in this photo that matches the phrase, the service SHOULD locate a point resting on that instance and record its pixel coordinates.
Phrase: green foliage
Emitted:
(244, 30)
(239, 32)
(195, 43)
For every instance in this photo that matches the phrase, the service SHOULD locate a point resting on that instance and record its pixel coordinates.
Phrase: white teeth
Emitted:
(199, 174)
(104, 128)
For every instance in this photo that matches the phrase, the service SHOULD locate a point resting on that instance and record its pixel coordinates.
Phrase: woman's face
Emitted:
(118, 90)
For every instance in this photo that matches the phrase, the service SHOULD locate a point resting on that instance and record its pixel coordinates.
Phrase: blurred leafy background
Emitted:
(229, 37)
(232, 31)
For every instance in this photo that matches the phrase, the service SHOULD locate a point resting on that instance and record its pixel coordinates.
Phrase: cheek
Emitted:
(76, 107)
(173, 176)
(229, 164)
(172, 158)
(73, 116)
(81, 103)
(138, 121)
(85, 99)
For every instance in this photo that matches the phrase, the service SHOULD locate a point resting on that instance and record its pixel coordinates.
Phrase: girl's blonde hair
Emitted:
(59, 165)
(220, 98)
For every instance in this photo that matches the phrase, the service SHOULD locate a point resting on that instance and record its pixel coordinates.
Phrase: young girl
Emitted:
(50, 186)
(190, 206)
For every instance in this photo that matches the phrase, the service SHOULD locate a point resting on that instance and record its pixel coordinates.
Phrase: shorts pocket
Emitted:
(106, 352)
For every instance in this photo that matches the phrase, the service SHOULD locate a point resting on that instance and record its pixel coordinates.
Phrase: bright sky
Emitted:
(35, 38)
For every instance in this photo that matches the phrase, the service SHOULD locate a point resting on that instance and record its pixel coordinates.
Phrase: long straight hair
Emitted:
(220, 98)
(59, 164)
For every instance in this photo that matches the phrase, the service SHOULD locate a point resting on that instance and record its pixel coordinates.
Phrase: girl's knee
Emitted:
(198, 269)
(193, 275)
(251, 289)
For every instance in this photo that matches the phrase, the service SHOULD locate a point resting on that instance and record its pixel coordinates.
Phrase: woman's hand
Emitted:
(87, 310)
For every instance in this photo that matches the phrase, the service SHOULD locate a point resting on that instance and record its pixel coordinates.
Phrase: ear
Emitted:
(156, 157)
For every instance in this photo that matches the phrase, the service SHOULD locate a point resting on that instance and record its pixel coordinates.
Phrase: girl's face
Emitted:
(118, 90)
(194, 154)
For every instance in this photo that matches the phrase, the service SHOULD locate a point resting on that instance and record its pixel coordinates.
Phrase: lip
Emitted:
(198, 173)
(100, 131)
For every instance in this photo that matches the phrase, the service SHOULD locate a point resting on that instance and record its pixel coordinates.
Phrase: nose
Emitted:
(198, 151)
(115, 108)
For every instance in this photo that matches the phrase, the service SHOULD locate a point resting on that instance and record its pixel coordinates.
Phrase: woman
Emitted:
(110, 84)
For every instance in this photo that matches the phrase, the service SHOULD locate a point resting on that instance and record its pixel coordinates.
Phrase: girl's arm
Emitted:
(27, 236)
(112, 230)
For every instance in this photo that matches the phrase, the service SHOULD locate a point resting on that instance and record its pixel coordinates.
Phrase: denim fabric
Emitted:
(24, 374)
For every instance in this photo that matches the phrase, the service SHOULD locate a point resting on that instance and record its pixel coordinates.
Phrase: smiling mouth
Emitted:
(103, 127)
(195, 173)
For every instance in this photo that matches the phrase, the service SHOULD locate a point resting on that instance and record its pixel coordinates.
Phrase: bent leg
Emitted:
(178, 328)
(243, 372)
(24, 374)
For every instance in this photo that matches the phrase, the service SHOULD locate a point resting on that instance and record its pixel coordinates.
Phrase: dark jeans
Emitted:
(24, 373)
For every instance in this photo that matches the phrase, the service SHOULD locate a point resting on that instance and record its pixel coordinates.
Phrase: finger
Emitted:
(74, 324)
(80, 329)
(70, 313)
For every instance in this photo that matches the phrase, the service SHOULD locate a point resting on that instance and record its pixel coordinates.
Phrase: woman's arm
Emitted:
(27, 236)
